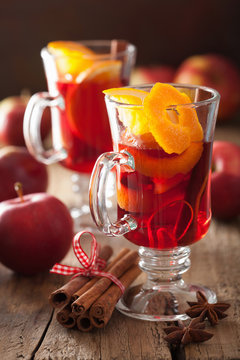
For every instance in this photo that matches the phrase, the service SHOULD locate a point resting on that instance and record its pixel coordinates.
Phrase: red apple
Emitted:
(12, 111)
(152, 74)
(225, 181)
(215, 71)
(16, 164)
(35, 232)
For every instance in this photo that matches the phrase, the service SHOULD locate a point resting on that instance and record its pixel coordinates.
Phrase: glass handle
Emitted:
(32, 127)
(97, 193)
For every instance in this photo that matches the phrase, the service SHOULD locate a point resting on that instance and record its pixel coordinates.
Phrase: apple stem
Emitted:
(19, 190)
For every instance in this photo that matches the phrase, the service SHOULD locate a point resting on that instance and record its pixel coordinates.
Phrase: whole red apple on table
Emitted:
(16, 164)
(152, 74)
(35, 232)
(12, 111)
(215, 71)
(225, 180)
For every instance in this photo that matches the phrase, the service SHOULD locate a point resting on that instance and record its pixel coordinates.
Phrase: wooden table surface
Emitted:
(29, 330)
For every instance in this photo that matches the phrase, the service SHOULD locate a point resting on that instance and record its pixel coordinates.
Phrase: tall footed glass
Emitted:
(162, 158)
(77, 73)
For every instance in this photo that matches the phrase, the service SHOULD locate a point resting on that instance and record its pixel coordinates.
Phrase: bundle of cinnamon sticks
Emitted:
(85, 303)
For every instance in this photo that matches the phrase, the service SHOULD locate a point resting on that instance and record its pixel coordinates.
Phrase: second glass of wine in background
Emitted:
(77, 73)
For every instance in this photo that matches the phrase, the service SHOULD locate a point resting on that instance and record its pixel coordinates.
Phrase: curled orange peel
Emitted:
(173, 124)
(166, 112)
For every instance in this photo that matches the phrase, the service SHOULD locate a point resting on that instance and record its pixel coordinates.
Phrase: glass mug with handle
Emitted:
(162, 139)
(77, 73)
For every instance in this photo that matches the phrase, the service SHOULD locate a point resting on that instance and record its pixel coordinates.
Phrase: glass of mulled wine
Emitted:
(77, 73)
(162, 138)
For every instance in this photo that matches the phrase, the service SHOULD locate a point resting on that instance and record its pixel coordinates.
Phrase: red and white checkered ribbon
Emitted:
(91, 266)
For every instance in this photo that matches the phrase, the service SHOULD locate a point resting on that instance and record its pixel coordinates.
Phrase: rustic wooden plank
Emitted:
(24, 312)
(123, 338)
(215, 263)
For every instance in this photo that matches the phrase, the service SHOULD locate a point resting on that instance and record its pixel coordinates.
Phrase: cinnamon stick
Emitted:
(101, 311)
(62, 296)
(66, 318)
(83, 303)
(90, 283)
(84, 323)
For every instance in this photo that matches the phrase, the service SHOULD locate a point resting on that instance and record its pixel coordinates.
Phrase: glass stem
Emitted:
(164, 267)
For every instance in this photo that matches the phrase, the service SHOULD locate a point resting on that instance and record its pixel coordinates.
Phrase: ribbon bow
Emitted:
(90, 266)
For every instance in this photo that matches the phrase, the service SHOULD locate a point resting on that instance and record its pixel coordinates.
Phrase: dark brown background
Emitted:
(164, 31)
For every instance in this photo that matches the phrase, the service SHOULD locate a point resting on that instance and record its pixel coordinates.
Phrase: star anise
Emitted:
(203, 309)
(186, 334)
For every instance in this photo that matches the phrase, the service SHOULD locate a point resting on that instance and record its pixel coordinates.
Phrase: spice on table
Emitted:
(84, 323)
(90, 283)
(203, 309)
(62, 296)
(101, 310)
(102, 288)
(186, 334)
(84, 301)
(65, 317)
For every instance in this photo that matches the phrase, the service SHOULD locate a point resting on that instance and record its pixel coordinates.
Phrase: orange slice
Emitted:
(149, 198)
(145, 141)
(132, 117)
(127, 95)
(163, 184)
(71, 57)
(173, 129)
(169, 166)
(136, 201)
(102, 71)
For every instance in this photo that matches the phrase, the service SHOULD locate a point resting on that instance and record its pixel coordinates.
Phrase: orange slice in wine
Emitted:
(132, 117)
(133, 200)
(71, 58)
(147, 198)
(105, 72)
(166, 167)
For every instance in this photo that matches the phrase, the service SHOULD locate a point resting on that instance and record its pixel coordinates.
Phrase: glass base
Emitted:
(166, 303)
(164, 295)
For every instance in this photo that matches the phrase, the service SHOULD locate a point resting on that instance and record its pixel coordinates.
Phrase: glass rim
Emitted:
(215, 96)
(130, 48)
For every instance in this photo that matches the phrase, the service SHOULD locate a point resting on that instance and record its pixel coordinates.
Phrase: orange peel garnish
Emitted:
(173, 126)
(165, 113)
